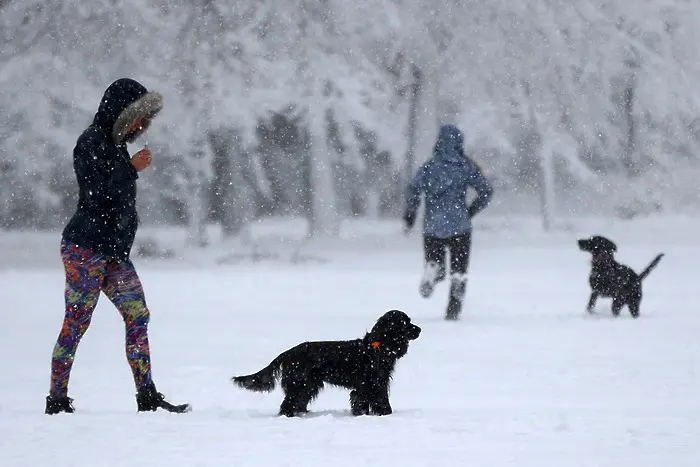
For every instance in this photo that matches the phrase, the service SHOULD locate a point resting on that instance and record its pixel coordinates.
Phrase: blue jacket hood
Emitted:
(449, 146)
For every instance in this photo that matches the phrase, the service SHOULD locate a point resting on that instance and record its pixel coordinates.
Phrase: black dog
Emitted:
(612, 279)
(363, 365)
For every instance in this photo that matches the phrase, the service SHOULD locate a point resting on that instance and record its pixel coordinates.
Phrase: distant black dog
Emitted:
(612, 279)
(363, 365)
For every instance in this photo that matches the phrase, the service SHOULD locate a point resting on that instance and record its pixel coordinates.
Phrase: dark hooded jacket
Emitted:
(105, 220)
(444, 179)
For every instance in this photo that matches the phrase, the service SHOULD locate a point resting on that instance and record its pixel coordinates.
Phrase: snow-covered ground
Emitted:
(525, 379)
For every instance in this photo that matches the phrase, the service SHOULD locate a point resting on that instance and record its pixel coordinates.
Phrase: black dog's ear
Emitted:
(597, 244)
(390, 325)
(396, 315)
(603, 243)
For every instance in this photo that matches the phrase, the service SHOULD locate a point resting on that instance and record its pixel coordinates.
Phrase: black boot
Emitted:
(458, 288)
(149, 400)
(454, 309)
(58, 404)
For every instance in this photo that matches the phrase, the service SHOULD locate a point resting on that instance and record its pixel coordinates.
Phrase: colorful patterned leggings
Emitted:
(87, 274)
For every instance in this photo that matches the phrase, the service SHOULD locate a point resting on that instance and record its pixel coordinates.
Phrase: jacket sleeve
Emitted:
(99, 171)
(413, 192)
(483, 187)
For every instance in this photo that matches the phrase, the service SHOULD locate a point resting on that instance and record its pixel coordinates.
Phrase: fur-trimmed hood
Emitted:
(123, 102)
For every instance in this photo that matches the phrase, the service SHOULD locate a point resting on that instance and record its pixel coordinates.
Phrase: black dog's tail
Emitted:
(651, 266)
(264, 380)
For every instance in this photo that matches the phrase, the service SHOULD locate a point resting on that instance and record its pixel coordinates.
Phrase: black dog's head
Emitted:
(393, 331)
(598, 245)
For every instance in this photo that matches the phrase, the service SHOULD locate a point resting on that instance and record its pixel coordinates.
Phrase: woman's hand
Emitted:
(142, 159)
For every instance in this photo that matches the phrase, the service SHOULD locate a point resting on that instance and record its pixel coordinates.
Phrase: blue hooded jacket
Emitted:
(444, 180)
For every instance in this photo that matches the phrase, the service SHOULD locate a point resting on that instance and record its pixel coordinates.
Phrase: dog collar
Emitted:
(375, 345)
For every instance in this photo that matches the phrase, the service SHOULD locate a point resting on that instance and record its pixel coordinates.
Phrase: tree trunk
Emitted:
(626, 109)
(373, 199)
(547, 194)
(324, 217)
(412, 124)
(222, 182)
(197, 231)
(630, 148)
(197, 188)
(231, 195)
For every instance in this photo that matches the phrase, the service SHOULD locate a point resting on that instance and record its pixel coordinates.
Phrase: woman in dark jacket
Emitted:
(96, 243)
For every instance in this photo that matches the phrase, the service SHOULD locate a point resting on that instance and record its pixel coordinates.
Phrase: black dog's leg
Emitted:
(617, 306)
(634, 306)
(359, 403)
(380, 403)
(297, 395)
(290, 407)
(379, 396)
(591, 301)
(634, 310)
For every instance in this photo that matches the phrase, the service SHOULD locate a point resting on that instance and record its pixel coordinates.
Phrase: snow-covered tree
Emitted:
(611, 83)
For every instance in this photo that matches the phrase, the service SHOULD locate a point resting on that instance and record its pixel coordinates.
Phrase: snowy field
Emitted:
(525, 379)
